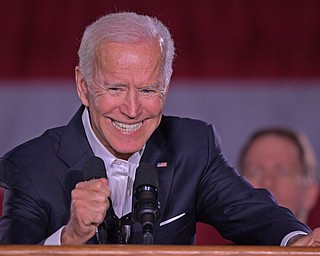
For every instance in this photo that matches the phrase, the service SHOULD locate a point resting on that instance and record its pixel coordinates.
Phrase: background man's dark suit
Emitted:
(196, 183)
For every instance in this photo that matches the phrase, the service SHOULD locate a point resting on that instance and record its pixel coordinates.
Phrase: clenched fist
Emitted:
(89, 204)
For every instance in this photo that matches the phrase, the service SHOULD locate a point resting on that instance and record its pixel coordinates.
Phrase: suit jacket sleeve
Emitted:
(239, 212)
(199, 184)
(38, 177)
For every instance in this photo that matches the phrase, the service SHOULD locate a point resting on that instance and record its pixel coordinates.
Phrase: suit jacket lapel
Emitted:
(74, 150)
(157, 154)
(74, 145)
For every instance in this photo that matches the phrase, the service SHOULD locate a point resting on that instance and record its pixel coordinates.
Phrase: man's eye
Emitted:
(283, 172)
(148, 91)
(114, 89)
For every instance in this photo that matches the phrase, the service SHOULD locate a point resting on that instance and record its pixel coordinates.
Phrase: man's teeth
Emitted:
(127, 127)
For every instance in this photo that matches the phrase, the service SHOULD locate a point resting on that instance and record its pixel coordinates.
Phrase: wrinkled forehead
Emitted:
(148, 50)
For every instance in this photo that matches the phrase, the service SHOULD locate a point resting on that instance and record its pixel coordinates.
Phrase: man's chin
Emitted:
(125, 153)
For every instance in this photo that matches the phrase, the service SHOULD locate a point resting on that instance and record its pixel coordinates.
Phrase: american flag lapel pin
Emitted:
(162, 164)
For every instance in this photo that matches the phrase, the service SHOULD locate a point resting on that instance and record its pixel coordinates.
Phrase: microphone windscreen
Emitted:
(146, 175)
(94, 168)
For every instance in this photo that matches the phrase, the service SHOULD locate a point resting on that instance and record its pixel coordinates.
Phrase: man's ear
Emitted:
(311, 195)
(166, 91)
(82, 87)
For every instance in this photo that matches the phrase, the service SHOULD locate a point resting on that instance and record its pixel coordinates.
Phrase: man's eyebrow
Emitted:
(154, 85)
(106, 85)
(150, 86)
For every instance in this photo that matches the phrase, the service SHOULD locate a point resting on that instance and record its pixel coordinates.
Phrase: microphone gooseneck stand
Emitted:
(147, 211)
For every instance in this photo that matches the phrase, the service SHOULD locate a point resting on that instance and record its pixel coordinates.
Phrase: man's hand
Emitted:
(313, 239)
(89, 204)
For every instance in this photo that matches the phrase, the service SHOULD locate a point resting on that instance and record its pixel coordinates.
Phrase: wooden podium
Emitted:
(156, 250)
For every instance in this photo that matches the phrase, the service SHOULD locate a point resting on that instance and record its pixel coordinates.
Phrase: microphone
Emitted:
(147, 208)
(107, 232)
(94, 168)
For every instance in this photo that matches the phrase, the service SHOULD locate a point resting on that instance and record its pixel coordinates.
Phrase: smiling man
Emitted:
(127, 95)
(123, 77)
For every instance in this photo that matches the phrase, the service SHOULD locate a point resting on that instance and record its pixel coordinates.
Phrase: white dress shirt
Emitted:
(120, 173)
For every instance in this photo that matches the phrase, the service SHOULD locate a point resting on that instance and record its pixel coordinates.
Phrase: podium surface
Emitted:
(156, 250)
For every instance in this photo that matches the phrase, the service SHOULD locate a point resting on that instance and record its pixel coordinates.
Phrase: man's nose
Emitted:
(132, 105)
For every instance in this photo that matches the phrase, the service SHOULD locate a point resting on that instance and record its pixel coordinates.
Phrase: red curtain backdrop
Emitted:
(214, 38)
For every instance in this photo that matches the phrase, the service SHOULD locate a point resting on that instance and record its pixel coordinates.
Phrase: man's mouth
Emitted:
(127, 128)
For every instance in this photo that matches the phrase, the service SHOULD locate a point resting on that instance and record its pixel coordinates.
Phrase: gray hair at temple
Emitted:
(306, 152)
(124, 27)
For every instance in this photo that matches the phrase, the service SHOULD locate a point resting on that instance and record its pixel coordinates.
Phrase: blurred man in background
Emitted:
(283, 161)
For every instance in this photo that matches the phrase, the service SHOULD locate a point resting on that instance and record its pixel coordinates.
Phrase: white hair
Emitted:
(124, 27)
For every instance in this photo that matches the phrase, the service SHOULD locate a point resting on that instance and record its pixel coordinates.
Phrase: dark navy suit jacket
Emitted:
(196, 183)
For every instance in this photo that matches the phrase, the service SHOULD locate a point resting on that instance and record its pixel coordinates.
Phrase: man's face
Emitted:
(126, 99)
(273, 162)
